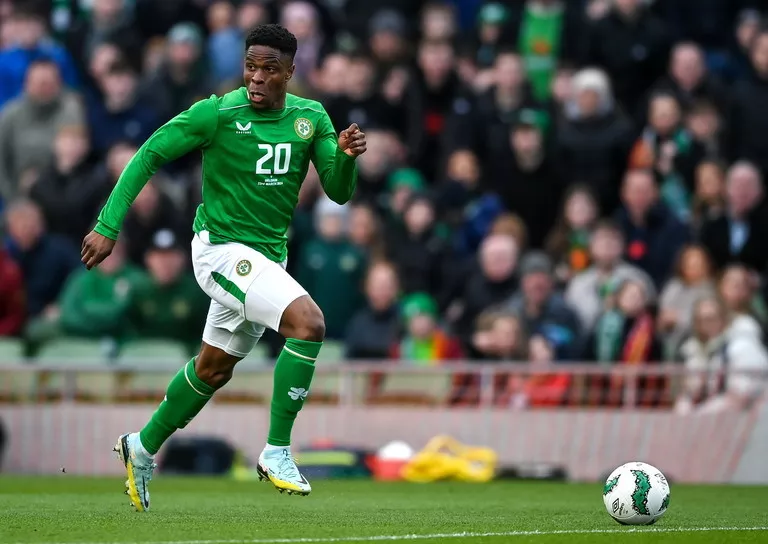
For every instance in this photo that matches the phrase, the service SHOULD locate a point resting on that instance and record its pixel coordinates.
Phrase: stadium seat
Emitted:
(332, 352)
(138, 351)
(11, 351)
(412, 388)
(76, 351)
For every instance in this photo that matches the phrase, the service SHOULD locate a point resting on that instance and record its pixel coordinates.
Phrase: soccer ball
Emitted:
(636, 494)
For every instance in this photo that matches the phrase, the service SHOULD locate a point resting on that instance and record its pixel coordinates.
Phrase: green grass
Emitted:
(67, 509)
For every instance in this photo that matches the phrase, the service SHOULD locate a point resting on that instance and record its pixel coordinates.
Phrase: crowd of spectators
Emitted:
(546, 180)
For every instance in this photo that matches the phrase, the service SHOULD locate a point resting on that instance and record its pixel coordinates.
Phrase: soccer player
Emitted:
(256, 143)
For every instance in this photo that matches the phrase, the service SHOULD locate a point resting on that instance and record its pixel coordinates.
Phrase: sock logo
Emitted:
(297, 393)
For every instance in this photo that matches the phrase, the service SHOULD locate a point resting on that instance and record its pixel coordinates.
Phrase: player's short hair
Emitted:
(274, 36)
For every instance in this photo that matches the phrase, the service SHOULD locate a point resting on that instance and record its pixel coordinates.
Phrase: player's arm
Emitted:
(334, 159)
(190, 130)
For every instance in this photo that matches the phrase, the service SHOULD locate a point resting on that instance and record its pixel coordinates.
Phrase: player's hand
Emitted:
(96, 248)
(352, 141)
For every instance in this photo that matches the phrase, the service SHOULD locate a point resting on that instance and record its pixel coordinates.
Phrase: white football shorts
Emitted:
(248, 293)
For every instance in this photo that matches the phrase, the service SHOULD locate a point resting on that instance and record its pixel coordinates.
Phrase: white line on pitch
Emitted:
(388, 538)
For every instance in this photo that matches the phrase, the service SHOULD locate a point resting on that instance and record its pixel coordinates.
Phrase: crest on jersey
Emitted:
(243, 268)
(304, 128)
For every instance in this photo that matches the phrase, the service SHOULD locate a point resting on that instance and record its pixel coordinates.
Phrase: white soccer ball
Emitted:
(636, 494)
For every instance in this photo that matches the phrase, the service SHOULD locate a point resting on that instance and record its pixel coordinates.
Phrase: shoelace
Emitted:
(287, 465)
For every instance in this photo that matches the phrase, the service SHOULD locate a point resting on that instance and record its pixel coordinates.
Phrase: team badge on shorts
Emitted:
(304, 128)
(243, 268)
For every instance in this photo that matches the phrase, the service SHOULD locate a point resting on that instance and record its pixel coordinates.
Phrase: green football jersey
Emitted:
(254, 162)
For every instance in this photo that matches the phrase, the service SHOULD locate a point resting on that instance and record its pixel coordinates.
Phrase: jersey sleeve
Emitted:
(190, 130)
(337, 170)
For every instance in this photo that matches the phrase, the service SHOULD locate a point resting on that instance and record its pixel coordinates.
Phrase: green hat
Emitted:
(529, 117)
(406, 177)
(493, 14)
(418, 304)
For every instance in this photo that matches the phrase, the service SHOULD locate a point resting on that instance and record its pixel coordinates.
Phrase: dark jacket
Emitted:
(138, 231)
(748, 122)
(134, 124)
(558, 323)
(654, 246)
(716, 237)
(633, 53)
(371, 334)
(420, 260)
(595, 152)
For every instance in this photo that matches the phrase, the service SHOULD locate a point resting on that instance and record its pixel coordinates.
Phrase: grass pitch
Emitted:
(70, 510)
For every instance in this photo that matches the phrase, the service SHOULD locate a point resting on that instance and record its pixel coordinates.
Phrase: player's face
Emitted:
(266, 74)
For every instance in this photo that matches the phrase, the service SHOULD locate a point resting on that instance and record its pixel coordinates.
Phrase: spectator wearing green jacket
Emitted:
(170, 305)
(331, 268)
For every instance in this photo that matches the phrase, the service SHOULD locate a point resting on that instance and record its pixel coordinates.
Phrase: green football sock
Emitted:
(293, 376)
(185, 397)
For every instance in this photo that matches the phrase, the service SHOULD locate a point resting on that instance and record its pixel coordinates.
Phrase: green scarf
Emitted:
(609, 336)
(540, 41)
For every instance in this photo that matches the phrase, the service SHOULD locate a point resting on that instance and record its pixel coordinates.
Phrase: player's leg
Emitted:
(277, 301)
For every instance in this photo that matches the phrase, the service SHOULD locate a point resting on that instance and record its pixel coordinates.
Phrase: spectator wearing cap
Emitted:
(152, 211)
(31, 44)
(402, 184)
(593, 142)
(652, 233)
(420, 250)
(182, 78)
(122, 113)
(525, 177)
(13, 311)
(492, 21)
(328, 260)
(741, 233)
(425, 343)
(28, 126)
(544, 312)
(747, 118)
(587, 292)
(632, 45)
(224, 43)
(373, 330)
(70, 193)
(171, 305)
(46, 260)
(388, 38)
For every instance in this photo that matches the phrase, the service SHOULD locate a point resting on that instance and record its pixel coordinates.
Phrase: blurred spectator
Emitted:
(46, 260)
(709, 200)
(481, 284)
(110, 21)
(374, 329)
(438, 21)
(667, 148)
(387, 38)
(653, 235)
(97, 303)
(419, 251)
(587, 291)
(28, 126)
(182, 78)
(171, 306)
(736, 289)
(365, 231)
(747, 118)
(741, 233)
(30, 45)
(123, 114)
(632, 45)
(102, 58)
(70, 193)
(460, 187)
(156, 18)
(424, 343)
(748, 25)
(329, 260)
(688, 81)
(251, 13)
(330, 78)
(302, 20)
(543, 312)
(545, 31)
(486, 42)
(385, 154)
(705, 125)
(225, 43)
(402, 185)
(726, 361)
(13, 311)
(152, 211)
(526, 178)
(594, 140)
(625, 334)
(509, 224)
(693, 280)
(568, 241)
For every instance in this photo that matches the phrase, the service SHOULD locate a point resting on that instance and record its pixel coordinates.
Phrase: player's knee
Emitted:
(303, 320)
(214, 366)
